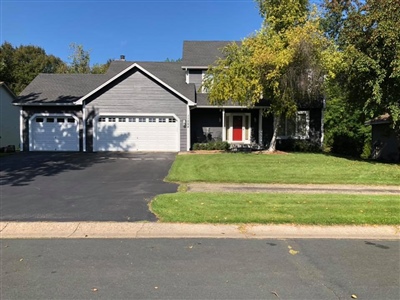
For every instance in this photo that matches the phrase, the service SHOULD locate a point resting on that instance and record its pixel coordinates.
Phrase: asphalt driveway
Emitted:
(82, 186)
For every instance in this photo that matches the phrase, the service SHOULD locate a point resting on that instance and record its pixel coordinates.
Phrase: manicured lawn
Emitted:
(281, 168)
(324, 209)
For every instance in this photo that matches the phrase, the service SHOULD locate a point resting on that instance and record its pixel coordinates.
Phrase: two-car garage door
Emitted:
(136, 133)
(110, 133)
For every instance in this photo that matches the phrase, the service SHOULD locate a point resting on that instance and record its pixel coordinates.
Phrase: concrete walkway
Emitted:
(74, 230)
(294, 188)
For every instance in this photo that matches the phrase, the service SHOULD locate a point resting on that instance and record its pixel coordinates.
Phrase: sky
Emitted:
(142, 30)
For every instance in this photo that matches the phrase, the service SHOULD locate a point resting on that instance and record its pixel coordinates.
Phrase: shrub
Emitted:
(212, 146)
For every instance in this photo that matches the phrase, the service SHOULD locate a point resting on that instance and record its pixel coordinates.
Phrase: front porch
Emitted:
(242, 128)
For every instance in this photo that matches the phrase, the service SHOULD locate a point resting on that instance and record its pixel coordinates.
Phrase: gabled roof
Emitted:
(168, 74)
(382, 119)
(72, 89)
(53, 89)
(202, 53)
(4, 85)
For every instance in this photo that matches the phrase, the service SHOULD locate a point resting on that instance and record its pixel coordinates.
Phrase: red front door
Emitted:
(237, 128)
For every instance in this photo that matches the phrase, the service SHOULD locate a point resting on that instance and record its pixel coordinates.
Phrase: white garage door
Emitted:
(136, 133)
(54, 133)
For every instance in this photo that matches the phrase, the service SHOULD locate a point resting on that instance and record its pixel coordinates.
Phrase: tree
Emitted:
(79, 62)
(285, 62)
(370, 39)
(20, 65)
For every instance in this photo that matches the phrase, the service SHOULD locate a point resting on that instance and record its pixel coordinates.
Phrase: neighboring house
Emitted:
(385, 141)
(146, 106)
(9, 118)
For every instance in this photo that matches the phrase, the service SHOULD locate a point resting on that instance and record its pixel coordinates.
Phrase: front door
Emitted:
(237, 128)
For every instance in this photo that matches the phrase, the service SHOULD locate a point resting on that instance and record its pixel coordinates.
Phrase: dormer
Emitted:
(197, 56)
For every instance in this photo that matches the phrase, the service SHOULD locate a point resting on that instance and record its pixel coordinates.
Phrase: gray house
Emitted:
(9, 118)
(146, 106)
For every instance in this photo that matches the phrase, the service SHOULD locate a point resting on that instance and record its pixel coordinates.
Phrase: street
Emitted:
(199, 269)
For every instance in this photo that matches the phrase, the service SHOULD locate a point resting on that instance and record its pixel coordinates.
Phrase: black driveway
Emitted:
(82, 186)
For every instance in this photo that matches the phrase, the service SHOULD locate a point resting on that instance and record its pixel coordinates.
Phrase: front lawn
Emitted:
(312, 209)
(281, 168)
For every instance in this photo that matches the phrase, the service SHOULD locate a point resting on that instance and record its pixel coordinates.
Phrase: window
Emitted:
(295, 127)
(172, 120)
(60, 120)
(152, 120)
(162, 120)
(203, 76)
(71, 120)
(121, 119)
(142, 120)
(111, 119)
(132, 119)
(50, 120)
(39, 120)
(101, 119)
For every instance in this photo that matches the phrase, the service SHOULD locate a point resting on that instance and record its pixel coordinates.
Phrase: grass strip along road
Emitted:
(290, 168)
(310, 209)
(281, 208)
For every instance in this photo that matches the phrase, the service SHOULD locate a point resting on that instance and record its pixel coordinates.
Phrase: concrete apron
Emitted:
(76, 230)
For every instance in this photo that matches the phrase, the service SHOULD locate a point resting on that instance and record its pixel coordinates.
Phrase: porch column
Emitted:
(223, 125)
(260, 131)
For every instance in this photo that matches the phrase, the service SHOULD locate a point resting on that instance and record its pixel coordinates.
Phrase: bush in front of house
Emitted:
(212, 146)
(312, 146)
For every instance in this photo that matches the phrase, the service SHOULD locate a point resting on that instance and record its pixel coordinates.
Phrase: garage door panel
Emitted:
(139, 133)
(54, 133)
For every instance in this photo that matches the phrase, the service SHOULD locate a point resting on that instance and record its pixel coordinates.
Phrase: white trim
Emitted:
(229, 106)
(134, 65)
(229, 138)
(84, 127)
(297, 136)
(187, 128)
(103, 114)
(223, 125)
(187, 76)
(194, 67)
(260, 124)
(21, 129)
(51, 115)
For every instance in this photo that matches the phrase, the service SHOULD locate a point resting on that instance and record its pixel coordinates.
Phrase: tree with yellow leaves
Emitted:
(287, 61)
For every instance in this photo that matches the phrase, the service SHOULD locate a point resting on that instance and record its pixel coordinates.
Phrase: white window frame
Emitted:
(229, 136)
(297, 135)
(203, 89)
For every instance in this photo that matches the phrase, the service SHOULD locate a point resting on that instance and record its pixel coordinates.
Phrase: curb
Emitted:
(111, 230)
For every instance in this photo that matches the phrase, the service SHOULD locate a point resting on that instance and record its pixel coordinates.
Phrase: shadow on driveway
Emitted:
(50, 186)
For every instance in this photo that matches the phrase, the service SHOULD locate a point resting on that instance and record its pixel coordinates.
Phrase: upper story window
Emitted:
(295, 127)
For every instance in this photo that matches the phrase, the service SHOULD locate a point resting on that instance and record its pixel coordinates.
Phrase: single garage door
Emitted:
(136, 133)
(54, 133)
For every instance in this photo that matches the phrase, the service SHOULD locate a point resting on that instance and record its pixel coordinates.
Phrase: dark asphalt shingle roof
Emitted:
(59, 88)
(67, 88)
(202, 53)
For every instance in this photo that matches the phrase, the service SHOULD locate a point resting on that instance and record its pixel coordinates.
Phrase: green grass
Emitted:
(324, 209)
(290, 168)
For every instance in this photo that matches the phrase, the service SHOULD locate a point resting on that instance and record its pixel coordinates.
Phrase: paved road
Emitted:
(82, 186)
(199, 269)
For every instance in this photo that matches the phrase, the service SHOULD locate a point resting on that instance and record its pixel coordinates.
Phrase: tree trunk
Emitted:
(272, 145)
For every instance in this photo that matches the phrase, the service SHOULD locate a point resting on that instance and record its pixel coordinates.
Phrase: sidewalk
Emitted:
(77, 230)
(293, 188)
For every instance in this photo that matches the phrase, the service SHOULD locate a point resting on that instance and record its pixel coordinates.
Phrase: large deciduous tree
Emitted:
(20, 65)
(285, 62)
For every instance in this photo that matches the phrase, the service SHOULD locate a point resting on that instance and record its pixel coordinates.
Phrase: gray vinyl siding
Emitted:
(136, 93)
(28, 112)
(196, 77)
